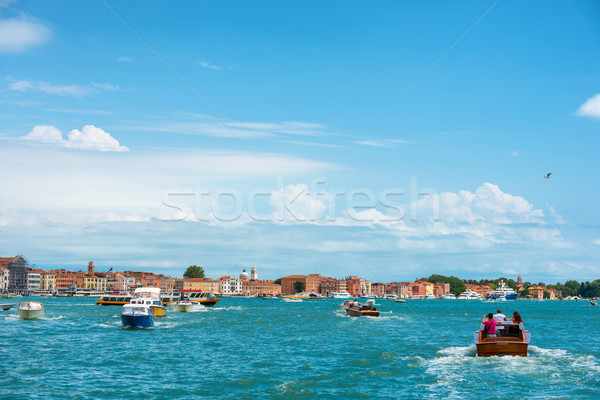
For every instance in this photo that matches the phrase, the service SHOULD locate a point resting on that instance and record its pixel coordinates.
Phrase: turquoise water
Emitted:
(254, 348)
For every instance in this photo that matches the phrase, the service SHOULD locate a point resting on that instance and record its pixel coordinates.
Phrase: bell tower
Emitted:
(91, 268)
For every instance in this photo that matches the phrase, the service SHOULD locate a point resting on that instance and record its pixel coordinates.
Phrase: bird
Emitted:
(548, 175)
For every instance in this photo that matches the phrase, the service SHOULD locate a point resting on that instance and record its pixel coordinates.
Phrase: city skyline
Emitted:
(388, 141)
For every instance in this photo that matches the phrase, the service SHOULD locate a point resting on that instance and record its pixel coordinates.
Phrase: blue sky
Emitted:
(389, 140)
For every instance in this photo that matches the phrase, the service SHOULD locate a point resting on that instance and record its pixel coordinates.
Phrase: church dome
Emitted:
(244, 275)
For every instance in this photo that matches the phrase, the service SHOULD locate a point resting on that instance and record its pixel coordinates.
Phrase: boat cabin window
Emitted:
(112, 299)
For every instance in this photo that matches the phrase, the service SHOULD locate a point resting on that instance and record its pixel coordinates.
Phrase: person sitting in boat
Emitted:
(517, 320)
(499, 317)
(489, 325)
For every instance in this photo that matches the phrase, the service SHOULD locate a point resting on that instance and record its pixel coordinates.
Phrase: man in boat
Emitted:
(499, 317)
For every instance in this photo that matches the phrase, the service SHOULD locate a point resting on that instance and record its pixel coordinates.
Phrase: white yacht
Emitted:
(507, 292)
(429, 297)
(448, 296)
(470, 295)
(341, 295)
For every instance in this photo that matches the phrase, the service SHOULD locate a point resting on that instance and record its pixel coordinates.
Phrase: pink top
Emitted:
(491, 326)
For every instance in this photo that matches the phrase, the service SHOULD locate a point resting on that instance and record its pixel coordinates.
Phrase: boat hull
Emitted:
(353, 312)
(512, 296)
(501, 348)
(159, 311)
(31, 314)
(5, 307)
(137, 321)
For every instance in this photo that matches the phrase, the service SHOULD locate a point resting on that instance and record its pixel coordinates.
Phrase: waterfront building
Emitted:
(537, 292)
(47, 281)
(483, 290)
(312, 283)
(257, 288)
(553, 293)
(33, 280)
(94, 283)
(66, 279)
(17, 279)
(4, 273)
(329, 286)
(353, 287)
(519, 283)
(418, 290)
(440, 289)
(229, 285)
(379, 289)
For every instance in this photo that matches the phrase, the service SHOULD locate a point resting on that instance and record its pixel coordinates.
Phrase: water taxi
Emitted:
(206, 299)
(119, 299)
(143, 309)
(292, 300)
(356, 309)
(183, 305)
(31, 310)
(511, 341)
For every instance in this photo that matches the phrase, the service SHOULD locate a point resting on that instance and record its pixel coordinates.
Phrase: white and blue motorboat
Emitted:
(142, 310)
(137, 316)
(503, 291)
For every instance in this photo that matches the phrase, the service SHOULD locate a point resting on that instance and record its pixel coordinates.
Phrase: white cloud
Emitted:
(106, 86)
(124, 59)
(17, 35)
(591, 108)
(92, 138)
(515, 153)
(213, 127)
(295, 203)
(208, 65)
(89, 138)
(385, 143)
(60, 90)
(48, 88)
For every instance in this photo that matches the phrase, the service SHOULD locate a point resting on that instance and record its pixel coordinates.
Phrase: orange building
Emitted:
(312, 283)
(537, 292)
(256, 288)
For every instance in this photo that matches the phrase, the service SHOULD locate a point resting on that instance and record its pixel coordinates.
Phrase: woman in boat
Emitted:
(489, 325)
(517, 320)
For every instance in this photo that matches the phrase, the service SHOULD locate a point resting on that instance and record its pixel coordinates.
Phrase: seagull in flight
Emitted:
(548, 175)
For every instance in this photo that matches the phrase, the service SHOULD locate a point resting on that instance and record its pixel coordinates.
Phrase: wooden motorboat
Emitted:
(183, 305)
(356, 309)
(31, 310)
(511, 341)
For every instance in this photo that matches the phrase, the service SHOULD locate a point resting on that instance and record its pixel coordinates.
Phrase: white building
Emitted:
(229, 285)
(254, 274)
(4, 272)
(33, 281)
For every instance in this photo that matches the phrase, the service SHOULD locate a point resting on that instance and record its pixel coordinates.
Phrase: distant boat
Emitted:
(399, 301)
(429, 297)
(470, 295)
(184, 305)
(391, 296)
(448, 296)
(31, 310)
(513, 342)
(7, 306)
(305, 295)
(341, 295)
(292, 300)
(507, 292)
(593, 303)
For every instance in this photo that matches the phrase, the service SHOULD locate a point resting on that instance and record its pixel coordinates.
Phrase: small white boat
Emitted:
(448, 296)
(7, 306)
(391, 296)
(500, 298)
(185, 305)
(31, 310)
(429, 297)
(341, 295)
(399, 301)
(292, 300)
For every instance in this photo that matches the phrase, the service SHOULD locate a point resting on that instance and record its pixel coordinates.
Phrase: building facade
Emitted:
(17, 279)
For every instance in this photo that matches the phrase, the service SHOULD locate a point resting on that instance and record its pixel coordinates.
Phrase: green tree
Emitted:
(194, 271)
(277, 281)
(524, 293)
(457, 286)
(299, 286)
